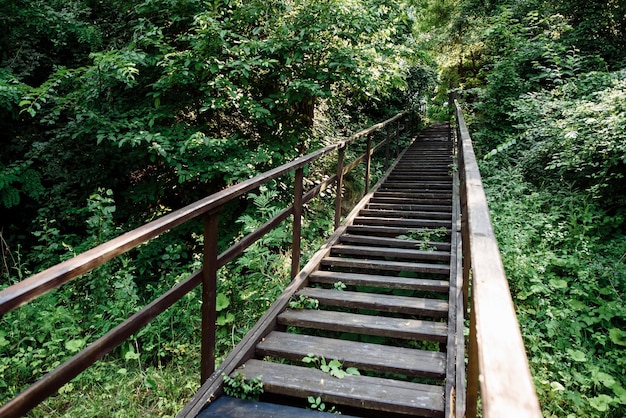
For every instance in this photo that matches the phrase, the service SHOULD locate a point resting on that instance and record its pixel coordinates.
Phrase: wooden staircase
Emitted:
(388, 298)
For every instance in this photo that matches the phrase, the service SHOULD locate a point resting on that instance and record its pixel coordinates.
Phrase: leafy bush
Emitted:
(563, 257)
(579, 137)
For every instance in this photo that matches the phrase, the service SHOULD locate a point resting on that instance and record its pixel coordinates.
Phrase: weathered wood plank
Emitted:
(228, 407)
(408, 329)
(381, 230)
(408, 206)
(364, 356)
(377, 302)
(373, 393)
(495, 338)
(387, 282)
(411, 194)
(404, 214)
(413, 185)
(432, 179)
(392, 242)
(438, 207)
(400, 253)
(408, 222)
(378, 265)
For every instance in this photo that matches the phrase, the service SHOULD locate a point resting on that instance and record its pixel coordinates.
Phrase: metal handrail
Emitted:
(60, 274)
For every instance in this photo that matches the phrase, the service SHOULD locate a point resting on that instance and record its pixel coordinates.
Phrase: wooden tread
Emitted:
(407, 222)
(398, 213)
(407, 329)
(380, 230)
(373, 280)
(393, 242)
(401, 253)
(409, 206)
(363, 356)
(378, 302)
(374, 393)
(378, 265)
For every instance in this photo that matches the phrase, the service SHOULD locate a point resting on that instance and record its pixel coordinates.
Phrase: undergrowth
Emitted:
(565, 260)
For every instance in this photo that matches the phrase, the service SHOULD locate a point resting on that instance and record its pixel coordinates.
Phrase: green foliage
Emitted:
(425, 237)
(303, 302)
(316, 404)
(339, 286)
(580, 136)
(16, 180)
(543, 88)
(238, 387)
(333, 367)
(563, 256)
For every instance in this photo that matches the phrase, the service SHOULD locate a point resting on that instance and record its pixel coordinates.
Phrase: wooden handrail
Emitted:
(497, 357)
(47, 280)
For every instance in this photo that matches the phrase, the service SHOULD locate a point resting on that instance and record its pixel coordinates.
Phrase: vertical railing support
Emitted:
(471, 406)
(209, 290)
(397, 139)
(297, 223)
(467, 256)
(368, 163)
(387, 139)
(340, 157)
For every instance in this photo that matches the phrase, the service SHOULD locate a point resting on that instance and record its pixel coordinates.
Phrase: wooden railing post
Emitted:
(368, 163)
(209, 291)
(387, 138)
(473, 371)
(397, 138)
(297, 222)
(340, 157)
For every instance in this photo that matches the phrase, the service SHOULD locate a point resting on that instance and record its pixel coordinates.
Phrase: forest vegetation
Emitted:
(113, 113)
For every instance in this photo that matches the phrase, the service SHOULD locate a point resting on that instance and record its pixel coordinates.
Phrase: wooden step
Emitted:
(401, 253)
(404, 197)
(410, 207)
(416, 223)
(374, 280)
(363, 356)
(425, 177)
(383, 265)
(385, 395)
(416, 185)
(400, 200)
(229, 407)
(405, 214)
(402, 328)
(392, 242)
(381, 230)
(409, 194)
(377, 302)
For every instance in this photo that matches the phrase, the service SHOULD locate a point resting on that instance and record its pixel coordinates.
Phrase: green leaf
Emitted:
(338, 373)
(558, 283)
(617, 336)
(131, 355)
(225, 319)
(556, 386)
(74, 345)
(221, 302)
(600, 402)
(605, 378)
(577, 355)
(353, 371)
